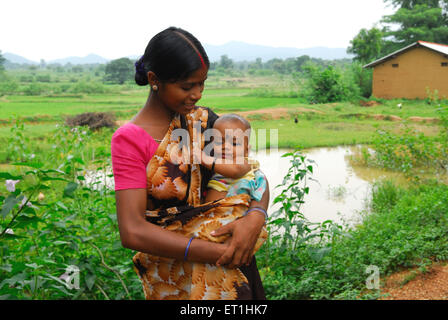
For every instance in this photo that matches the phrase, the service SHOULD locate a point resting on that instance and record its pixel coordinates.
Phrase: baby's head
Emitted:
(235, 134)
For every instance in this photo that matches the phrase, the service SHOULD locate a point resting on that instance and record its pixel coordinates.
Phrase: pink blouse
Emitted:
(131, 148)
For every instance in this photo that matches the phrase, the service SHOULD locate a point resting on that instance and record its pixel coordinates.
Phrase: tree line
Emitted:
(413, 20)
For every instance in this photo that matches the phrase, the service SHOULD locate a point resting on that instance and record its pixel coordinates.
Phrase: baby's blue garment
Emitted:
(254, 187)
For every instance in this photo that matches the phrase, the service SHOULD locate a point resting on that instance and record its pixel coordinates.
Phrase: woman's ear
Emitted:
(152, 79)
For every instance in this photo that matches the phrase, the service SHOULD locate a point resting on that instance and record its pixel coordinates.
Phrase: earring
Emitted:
(155, 88)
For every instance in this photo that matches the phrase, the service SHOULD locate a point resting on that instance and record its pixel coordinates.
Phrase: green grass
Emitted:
(318, 133)
(336, 123)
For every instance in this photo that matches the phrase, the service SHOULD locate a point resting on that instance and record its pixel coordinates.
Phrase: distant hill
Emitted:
(89, 59)
(14, 58)
(237, 51)
(240, 51)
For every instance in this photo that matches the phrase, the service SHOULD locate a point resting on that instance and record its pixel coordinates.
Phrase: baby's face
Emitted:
(234, 142)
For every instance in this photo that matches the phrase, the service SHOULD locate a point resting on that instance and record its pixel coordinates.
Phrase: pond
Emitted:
(341, 190)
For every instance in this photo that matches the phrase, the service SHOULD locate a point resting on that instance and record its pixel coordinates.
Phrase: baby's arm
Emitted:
(232, 170)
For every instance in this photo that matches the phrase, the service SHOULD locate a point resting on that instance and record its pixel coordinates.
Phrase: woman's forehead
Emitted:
(199, 75)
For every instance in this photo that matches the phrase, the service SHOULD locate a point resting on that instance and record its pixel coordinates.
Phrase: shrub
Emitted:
(327, 85)
(88, 87)
(43, 78)
(94, 120)
(8, 87)
(34, 89)
(363, 79)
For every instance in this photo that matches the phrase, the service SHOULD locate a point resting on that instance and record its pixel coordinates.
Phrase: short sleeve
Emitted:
(131, 150)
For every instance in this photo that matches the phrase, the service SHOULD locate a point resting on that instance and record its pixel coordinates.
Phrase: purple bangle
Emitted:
(260, 210)
(188, 247)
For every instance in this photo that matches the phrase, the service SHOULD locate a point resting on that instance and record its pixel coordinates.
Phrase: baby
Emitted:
(235, 173)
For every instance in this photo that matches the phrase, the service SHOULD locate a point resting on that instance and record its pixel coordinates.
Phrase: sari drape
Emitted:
(174, 185)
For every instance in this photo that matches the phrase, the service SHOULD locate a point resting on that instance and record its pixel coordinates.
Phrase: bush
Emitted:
(8, 87)
(328, 85)
(94, 120)
(26, 78)
(34, 89)
(363, 78)
(43, 78)
(88, 87)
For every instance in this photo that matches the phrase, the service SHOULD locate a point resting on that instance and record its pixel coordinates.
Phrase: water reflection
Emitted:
(341, 190)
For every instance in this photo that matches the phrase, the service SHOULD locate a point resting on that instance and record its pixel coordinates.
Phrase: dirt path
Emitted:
(277, 113)
(413, 284)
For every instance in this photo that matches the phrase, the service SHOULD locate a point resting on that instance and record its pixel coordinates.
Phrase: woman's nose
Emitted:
(196, 93)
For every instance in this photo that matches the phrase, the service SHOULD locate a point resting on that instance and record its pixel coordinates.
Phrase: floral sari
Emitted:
(174, 184)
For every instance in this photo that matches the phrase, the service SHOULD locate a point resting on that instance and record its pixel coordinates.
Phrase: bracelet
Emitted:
(258, 209)
(188, 247)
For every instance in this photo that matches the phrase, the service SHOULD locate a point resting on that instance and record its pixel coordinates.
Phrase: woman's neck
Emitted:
(154, 117)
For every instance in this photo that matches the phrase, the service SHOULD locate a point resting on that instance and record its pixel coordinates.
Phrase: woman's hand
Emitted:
(245, 233)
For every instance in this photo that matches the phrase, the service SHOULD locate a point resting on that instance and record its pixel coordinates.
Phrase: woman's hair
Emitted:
(172, 55)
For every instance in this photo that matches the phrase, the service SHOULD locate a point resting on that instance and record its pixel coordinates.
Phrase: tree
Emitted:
(417, 20)
(367, 45)
(410, 4)
(301, 61)
(226, 62)
(2, 61)
(119, 70)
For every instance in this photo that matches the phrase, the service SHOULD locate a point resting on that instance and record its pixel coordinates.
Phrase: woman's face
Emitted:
(182, 96)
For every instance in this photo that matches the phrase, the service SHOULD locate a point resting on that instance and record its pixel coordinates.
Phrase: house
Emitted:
(412, 72)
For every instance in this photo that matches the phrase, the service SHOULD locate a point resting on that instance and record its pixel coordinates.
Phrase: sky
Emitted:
(53, 29)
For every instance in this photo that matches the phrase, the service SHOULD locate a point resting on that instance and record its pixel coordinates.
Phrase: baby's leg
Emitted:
(213, 195)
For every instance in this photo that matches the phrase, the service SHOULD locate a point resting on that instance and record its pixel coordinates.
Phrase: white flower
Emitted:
(33, 156)
(84, 132)
(9, 231)
(399, 105)
(11, 185)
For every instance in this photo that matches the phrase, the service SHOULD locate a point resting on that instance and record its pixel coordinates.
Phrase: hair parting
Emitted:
(172, 55)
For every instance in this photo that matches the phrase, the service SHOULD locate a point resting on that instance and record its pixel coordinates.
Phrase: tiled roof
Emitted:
(441, 48)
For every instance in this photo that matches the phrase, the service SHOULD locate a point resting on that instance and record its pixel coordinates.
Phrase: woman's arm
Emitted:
(245, 232)
(138, 234)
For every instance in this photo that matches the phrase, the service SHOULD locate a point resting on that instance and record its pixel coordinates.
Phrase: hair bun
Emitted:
(141, 77)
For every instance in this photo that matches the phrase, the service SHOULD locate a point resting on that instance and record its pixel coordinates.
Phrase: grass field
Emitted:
(318, 125)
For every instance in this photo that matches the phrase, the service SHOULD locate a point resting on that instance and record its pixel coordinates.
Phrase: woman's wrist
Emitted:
(256, 216)
(259, 211)
(205, 251)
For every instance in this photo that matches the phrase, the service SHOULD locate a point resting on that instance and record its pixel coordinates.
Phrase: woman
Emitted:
(149, 186)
